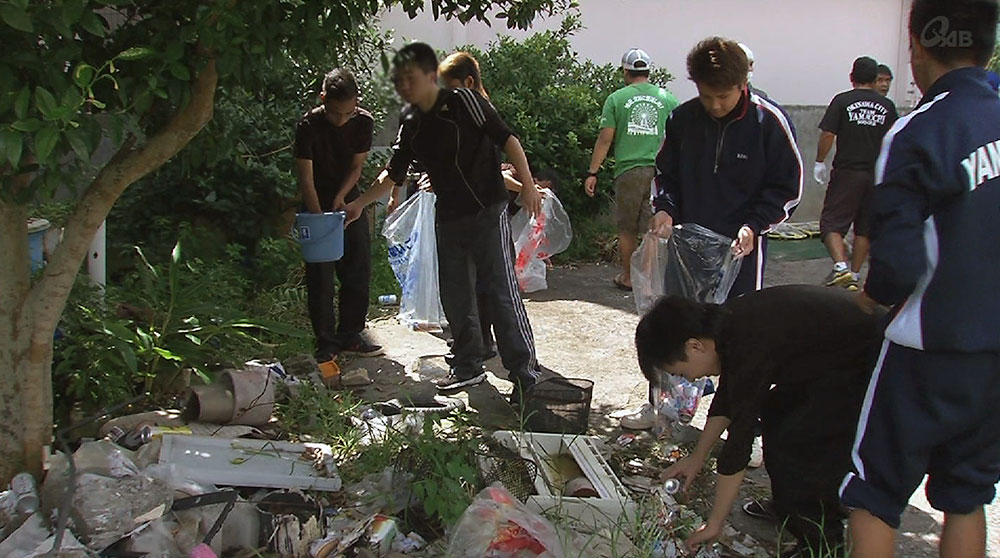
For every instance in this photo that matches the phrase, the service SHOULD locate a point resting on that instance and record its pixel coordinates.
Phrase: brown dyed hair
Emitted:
(718, 62)
(460, 65)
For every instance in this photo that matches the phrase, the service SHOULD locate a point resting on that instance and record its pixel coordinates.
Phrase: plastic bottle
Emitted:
(388, 300)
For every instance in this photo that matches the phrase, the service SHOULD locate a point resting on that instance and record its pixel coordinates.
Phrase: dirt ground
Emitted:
(584, 328)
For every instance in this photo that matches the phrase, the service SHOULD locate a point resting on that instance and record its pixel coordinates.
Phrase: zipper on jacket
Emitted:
(718, 146)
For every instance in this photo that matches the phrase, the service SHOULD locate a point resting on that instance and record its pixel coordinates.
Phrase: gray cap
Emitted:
(637, 60)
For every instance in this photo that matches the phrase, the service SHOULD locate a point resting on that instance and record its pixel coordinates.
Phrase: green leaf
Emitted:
(83, 76)
(174, 51)
(193, 338)
(180, 71)
(94, 25)
(13, 143)
(167, 354)
(21, 103)
(76, 141)
(72, 10)
(29, 125)
(45, 101)
(135, 53)
(45, 142)
(16, 17)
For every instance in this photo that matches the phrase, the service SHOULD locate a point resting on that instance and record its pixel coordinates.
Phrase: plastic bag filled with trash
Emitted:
(413, 256)
(538, 238)
(694, 262)
(496, 525)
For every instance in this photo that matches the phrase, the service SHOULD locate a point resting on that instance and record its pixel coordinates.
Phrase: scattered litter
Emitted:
(410, 543)
(382, 531)
(355, 378)
(246, 462)
(106, 509)
(497, 525)
(561, 458)
(638, 482)
(625, 439)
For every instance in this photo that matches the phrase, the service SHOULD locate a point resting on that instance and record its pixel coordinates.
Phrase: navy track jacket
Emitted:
(744, 170)
(936, 213)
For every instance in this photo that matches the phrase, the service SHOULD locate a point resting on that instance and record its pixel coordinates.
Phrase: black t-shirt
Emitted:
(786, 335)
(456, 141)
(859, 118)
(331, 149)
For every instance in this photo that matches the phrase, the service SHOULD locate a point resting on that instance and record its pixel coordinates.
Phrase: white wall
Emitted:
(803, 48)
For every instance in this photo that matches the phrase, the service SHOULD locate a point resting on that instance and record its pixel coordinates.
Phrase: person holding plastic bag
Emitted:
(455, 134)
(776, 366)
(729, 161)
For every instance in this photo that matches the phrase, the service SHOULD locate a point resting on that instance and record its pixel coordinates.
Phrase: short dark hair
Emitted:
(339, 85)
(884, 70)
(865, 70)
(718, 62)
(663, 331)
(637, 73)
(420, 55)
(956, 30)
(547, 174)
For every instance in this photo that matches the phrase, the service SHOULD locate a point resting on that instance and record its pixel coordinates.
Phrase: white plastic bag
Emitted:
(496, 525)
(694, 262)
(413, 257)
(537, 238)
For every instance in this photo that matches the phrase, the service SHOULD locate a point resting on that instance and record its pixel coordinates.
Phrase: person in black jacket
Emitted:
(776, 368)
(454, 134)
(931, 407)
(729, 161)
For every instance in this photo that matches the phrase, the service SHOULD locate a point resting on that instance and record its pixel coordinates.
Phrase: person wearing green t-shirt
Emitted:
(633, 120)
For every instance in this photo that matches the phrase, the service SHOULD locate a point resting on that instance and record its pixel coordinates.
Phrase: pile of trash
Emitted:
(212, 480)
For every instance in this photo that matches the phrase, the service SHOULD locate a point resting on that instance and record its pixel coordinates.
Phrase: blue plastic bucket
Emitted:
(36, 236)
(321, 236)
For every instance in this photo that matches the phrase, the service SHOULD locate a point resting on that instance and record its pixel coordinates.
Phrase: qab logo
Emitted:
(937, 33)
(642, 120)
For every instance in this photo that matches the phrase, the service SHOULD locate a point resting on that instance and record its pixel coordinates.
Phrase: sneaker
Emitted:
(363, 348)
(643, 419)
(761, 509)
(839, 278)
(853, 285)
(453, 381)
(756, 454)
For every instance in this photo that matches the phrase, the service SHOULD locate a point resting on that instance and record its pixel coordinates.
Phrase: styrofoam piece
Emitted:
(613, 499)
(246, 462)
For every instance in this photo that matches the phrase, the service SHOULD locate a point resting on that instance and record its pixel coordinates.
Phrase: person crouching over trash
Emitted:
(797, 359)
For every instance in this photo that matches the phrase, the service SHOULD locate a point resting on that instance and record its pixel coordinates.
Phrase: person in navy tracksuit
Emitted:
(729, 161)
(935, 256)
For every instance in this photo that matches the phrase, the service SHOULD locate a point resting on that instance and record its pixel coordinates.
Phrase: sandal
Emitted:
(621, 284)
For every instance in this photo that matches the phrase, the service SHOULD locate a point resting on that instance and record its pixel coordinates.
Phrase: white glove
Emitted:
(821, 173)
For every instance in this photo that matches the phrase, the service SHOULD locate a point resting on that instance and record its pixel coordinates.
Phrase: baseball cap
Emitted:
(636, 59)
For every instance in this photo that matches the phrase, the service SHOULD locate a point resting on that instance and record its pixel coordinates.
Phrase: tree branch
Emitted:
(49, 294)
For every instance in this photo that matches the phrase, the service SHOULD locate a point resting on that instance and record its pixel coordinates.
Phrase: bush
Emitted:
(553, 100)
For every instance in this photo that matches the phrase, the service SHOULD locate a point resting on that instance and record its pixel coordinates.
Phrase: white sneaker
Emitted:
(643, 419)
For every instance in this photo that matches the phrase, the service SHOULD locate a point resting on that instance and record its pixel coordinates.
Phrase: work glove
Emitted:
(821, 173)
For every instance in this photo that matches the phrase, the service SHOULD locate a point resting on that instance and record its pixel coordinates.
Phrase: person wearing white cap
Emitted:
(633, 120)
(750, 59)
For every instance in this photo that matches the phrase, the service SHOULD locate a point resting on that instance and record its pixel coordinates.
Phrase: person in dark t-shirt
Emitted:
(857, 120)
(776, 368)
(331, 144)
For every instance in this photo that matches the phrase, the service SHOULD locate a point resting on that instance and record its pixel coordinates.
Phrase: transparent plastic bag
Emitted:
(694, 262)
(496, 525)
(537, 238)
(413, 257)
(676, 400)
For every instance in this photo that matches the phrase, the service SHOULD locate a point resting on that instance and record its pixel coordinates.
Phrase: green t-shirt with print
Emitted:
(638, 113)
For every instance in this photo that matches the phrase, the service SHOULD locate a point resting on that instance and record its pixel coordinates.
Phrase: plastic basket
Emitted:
(321, 236)
(559, 405)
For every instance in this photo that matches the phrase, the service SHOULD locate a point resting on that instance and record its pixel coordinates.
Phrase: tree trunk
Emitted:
(29, 313)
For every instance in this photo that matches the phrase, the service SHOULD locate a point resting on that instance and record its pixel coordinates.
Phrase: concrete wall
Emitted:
(803, 48)
(806, 121)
